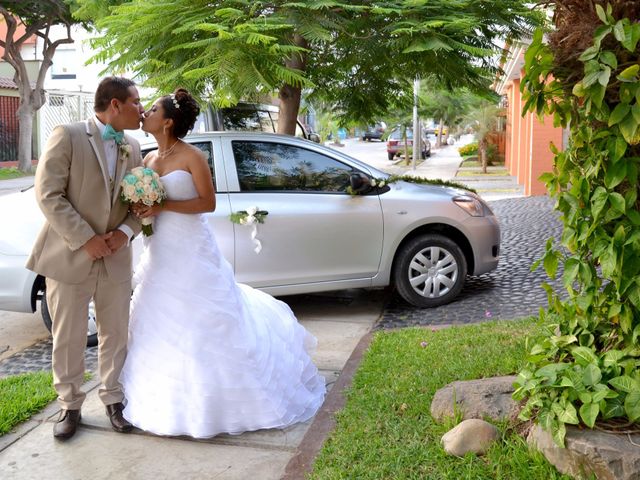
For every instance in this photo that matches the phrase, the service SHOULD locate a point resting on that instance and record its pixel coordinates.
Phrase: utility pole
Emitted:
(417, 136)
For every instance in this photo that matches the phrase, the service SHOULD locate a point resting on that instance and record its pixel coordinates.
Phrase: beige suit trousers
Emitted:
(69, 307)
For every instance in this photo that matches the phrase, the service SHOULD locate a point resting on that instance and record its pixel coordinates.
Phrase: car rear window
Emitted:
(397, 134)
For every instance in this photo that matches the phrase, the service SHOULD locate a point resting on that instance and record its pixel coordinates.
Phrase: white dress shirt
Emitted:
(111, 155)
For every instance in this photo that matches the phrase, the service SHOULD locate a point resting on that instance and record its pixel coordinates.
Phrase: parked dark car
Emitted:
(374, 131)
(395, 144)
(246, 117)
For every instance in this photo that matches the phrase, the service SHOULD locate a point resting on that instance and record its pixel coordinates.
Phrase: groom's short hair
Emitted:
(111, 87)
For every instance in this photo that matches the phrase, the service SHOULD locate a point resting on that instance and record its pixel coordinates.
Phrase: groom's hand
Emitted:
(97, 246)
(117, 240)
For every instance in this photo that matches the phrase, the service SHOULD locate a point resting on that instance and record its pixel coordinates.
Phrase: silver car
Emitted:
(422, 239)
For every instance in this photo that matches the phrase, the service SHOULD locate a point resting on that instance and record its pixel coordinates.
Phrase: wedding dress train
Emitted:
(207, 355)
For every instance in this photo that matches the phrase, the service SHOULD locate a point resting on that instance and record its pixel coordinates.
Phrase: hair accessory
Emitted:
(175, 102)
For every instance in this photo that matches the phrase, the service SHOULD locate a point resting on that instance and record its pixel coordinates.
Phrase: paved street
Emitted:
(15, 184)
(512, 290)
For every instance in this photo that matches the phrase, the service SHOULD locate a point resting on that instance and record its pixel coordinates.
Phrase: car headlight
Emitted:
(472, 205)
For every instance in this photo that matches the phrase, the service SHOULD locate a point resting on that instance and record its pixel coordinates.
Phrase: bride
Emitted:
(206, 355)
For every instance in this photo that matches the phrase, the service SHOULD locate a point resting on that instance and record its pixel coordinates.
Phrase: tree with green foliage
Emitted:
(483, 119)
(37, 17)
(588, 77)
(356, 55)
(447, 107)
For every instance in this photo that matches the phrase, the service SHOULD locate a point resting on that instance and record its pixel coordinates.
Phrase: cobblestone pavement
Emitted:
(38, 357)
(512, 290)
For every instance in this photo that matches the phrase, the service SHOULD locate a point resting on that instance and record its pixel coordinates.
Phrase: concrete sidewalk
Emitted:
(96, 452)
(444, 164)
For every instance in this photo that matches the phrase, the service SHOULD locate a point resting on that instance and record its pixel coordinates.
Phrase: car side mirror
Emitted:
(360, 183)
(314, 137)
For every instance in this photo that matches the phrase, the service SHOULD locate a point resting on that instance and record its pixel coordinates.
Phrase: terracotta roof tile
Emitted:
(6, 82)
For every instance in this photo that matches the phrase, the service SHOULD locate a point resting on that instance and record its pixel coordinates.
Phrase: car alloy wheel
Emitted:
(430, 270)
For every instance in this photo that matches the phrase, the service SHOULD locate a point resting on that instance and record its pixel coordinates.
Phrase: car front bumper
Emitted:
(484, 233)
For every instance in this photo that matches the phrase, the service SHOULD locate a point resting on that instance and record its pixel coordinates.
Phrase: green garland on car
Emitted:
(381, 182)
(586, 369)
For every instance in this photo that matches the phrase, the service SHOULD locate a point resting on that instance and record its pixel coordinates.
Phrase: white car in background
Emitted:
(422, 239)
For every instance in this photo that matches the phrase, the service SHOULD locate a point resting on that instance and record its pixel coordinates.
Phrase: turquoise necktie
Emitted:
(109, 134)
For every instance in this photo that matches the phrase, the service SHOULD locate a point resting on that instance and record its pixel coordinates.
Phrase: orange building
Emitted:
(528, 140)
(29, 44)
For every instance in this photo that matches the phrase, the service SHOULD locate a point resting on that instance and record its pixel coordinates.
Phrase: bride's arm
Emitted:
(205, 201)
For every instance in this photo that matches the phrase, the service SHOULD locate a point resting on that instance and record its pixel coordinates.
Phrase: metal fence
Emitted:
(9, 129)
(61, 108)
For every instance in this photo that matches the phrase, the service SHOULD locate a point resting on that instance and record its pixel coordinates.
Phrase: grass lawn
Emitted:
(22, 396)
(386, 431)
(475, 173)
(11, 172)
(472, 161)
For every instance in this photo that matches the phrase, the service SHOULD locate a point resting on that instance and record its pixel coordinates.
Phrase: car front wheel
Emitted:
(92, 328)
(430, 271)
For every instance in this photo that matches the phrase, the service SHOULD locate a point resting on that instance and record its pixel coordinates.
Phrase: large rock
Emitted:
(475, 436)
(487, 397)
(588, 452)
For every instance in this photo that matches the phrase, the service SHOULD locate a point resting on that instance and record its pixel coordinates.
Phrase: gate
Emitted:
(61, 108)
(9, 129)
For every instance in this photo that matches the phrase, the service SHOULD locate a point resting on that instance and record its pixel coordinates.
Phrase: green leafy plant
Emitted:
(468, 149)
(586, 369)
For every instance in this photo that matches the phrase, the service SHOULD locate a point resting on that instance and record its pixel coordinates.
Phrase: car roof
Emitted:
(264, 136)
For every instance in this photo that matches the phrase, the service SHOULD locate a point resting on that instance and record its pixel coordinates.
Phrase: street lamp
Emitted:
(417, 137)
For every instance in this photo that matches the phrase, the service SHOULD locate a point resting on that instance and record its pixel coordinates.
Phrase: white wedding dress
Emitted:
(207, 355)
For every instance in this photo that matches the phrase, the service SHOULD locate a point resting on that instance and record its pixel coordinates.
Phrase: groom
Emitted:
(83, 249)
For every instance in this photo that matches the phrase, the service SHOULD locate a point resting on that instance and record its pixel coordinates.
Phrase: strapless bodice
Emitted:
(179, 185)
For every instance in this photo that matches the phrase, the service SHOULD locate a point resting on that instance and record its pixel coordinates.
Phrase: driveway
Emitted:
(512, 290)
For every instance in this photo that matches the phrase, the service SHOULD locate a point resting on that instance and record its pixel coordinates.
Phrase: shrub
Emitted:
(586, 369)
(469, 149)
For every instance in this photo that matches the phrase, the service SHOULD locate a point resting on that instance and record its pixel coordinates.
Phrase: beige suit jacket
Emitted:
(72, 189)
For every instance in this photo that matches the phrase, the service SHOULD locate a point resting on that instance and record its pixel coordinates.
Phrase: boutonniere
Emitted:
(125, 150)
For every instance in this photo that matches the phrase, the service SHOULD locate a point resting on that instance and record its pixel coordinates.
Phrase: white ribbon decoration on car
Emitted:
(250, 219)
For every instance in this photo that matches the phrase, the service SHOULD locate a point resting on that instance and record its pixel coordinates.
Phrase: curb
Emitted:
(39, 418)
(324, 423)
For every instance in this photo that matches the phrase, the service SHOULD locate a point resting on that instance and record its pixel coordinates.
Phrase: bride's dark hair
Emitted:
(182, 108)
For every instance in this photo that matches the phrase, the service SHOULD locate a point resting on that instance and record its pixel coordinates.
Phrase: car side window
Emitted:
(206, 147)
(269, 166)
(208, 151)
(241, 119)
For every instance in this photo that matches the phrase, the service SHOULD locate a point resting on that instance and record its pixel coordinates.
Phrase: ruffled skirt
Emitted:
(207, 355)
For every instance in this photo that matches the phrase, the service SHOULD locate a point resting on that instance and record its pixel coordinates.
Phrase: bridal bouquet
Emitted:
(143, 185)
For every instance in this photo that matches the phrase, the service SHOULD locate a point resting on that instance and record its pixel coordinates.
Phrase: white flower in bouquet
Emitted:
(143, 185)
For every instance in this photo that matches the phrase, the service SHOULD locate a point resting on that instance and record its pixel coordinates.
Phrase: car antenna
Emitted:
(25, 189)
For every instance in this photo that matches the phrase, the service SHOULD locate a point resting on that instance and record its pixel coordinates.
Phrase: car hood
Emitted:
(443, 190)
(21, 220)
(415, 191)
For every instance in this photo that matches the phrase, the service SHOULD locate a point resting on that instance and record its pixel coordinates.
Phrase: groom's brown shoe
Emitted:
(118, 422)
(67, 424)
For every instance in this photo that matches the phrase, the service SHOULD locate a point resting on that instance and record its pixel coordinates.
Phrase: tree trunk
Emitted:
(289, 106)
(290, 95)
(482, 149)
(406, 147)
(440, 128)
(25, 118)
